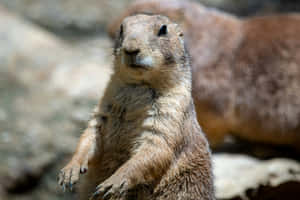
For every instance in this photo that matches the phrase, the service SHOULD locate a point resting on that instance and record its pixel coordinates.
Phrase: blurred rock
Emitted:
(242, 8)
(93, 15)
(254, 7)
(81, 15)
(84, 80)
(47, 87)
(25, 46)
(246, 178)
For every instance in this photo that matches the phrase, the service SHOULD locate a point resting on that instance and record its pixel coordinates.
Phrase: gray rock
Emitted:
(47, 87)
(92, 15)
(74, 14)
(253, 7)
(244, 177)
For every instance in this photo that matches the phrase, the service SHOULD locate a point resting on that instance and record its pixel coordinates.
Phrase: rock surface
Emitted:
(253, 7)
(91, 15)
(47, 90)
(87, 15)
(244, 177)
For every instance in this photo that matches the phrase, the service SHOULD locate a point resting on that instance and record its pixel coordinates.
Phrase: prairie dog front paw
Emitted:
(112, 188)
(69, 175)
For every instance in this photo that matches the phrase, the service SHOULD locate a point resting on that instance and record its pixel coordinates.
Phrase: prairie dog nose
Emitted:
(131, 51)
(131, 45)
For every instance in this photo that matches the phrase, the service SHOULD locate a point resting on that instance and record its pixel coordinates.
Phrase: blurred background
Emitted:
(55, 59)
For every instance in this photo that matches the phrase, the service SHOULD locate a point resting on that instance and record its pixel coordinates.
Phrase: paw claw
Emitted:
(107, 195)
(83, 170)
(64, 188)
(69, 176)
(98, 187)
(94, 195)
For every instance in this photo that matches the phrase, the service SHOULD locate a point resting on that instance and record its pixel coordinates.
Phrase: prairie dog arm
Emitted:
(85, 150)
(147, 164)
(148, 161)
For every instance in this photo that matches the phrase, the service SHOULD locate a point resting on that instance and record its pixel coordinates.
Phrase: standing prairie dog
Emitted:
(144, 141)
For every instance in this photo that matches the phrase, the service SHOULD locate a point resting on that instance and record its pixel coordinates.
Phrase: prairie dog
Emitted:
(144, 141)
(245, 71)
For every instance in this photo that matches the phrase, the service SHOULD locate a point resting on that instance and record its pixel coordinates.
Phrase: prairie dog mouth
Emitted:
(145, 61)
(138, 62)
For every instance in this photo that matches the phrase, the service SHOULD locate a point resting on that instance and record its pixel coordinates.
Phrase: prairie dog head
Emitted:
(147, 47)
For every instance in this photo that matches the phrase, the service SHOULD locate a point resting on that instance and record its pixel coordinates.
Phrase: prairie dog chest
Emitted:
(127, 110)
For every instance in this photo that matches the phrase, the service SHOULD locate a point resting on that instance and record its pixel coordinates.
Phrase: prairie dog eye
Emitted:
(162, 31)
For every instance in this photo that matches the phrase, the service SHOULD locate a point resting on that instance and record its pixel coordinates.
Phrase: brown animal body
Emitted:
(246, 73)
(144, 141)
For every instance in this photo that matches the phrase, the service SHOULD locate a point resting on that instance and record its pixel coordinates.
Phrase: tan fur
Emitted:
(245, 72)
(144, 141)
